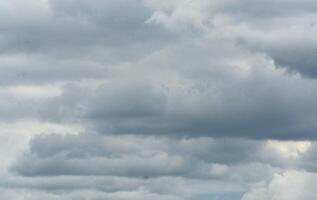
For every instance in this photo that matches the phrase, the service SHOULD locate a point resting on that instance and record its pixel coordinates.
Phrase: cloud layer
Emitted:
(158, 99)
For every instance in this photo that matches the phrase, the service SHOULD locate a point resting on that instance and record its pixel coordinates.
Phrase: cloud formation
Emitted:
(158, 99)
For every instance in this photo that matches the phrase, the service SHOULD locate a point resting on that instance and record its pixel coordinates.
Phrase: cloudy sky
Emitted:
(158, 99)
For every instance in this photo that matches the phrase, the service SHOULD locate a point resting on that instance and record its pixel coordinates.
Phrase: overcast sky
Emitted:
(158, 99)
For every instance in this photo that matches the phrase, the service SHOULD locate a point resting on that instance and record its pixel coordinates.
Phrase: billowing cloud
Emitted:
(124, 163)
(229, 91)
(289, 185)
(158, 99)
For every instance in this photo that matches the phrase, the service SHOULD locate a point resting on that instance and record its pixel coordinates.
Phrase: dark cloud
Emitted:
(129, 162)
(129, 156)
(288, 39)
(152, 157)
(208, 95)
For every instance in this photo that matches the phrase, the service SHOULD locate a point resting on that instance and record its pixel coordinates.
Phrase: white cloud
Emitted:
(290, 185)
(290, 149)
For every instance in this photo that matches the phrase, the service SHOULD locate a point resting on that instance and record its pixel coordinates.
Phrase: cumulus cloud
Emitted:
(124, 163)
(229, 91)
(289, 185)
(158, 99)
(131, 156)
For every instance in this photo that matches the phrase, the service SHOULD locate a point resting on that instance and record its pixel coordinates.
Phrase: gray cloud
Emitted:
(280, 39)
(54, 41)
(204, 94)
(88, 154)
(124, 163)
(153, 157)
(34, 195)
(189, 94)
(63, 26)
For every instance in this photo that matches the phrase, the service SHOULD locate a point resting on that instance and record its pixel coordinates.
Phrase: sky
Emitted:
(158, 99)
